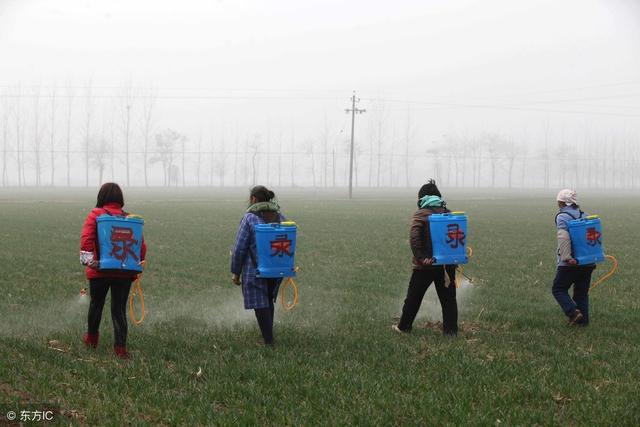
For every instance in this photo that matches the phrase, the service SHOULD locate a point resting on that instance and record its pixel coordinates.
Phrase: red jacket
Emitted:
(89, 241)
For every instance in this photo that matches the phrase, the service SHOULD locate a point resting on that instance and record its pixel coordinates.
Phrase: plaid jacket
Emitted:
(243, 261)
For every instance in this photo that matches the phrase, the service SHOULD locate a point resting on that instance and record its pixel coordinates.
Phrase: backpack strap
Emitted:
(110, 214)
(566, 213)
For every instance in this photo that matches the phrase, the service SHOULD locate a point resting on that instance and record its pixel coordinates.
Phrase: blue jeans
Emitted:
(580, 278)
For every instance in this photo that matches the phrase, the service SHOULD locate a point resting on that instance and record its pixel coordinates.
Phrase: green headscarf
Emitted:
(430, 201)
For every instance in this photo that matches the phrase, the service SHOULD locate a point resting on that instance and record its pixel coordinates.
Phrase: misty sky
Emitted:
(460, 66)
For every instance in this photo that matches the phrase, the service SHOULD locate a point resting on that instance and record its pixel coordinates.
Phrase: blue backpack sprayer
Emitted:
(587, 246)
(449, 240)
(276, 246)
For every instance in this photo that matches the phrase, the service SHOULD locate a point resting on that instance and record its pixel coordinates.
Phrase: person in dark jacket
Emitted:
(424, 272)
(259, 294)
(110, 201)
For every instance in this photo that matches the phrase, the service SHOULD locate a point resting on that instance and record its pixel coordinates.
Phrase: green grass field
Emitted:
(336, 360)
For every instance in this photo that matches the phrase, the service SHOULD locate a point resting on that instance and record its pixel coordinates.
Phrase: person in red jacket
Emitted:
(110, 201)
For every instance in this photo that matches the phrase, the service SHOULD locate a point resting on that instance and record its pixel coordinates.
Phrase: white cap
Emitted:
(567, 196)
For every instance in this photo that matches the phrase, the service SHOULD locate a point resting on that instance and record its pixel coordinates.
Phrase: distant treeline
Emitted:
(66, 136)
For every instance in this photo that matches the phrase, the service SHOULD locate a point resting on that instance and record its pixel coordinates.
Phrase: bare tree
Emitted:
(126, 101)
(463, 144)
(545, 156)
(148, 108)
(184, 149)
(112, 138)
(324, 139)
(5, 136)
(236, 157)
(174, 175)
(99, 155)
(452, 146)
(280, 157)
(511, 150)
(434, 153)
(87, 128)
(69, 110)
(199, 162)
(52, 133)
(394, 143)
(267, 151)
(380, 135)
(475, 151)
(18, 123)
(253, 148)
(311, 151)
(246, 162)
(212, 149)
(36, 134)
(222, 160)
(166, 143)
(407, 142)
(495, 146)
(560, 152)
(333, 167)
(371, 134)
(293, 155)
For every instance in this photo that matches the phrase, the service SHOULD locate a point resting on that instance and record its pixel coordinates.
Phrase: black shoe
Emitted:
(575, 317)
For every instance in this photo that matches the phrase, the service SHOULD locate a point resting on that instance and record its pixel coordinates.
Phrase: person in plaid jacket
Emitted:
(258, 294)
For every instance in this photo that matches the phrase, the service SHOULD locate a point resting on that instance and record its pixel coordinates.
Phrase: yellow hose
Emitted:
(136, 289)
(461, 271)
(283, 297)
(608, 275)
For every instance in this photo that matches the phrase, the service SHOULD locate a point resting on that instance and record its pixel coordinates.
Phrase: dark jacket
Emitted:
(420, 241)
(420, 236)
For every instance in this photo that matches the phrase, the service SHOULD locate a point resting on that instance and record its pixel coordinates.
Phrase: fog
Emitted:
(535, 94)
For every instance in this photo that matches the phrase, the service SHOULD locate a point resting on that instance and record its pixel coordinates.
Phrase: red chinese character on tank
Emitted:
(281, 246)
(122, 243)
(455, 236)
(593, 237)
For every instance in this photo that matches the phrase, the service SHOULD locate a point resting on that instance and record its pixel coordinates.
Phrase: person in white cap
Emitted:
(569, 273)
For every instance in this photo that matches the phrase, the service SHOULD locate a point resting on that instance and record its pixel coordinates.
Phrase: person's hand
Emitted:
(572, 261)
(427, 261)
(94, 264)
(235, 279)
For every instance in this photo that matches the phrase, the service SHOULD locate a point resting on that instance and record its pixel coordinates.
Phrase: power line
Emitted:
(494, 107)
(178, 97)
(544, 91)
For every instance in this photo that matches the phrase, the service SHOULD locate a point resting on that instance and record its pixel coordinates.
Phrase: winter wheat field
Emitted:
(197, 358)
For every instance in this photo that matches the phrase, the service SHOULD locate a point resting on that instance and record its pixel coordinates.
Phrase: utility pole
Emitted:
(353, 110)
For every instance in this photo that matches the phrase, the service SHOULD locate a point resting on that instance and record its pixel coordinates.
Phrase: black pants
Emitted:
(119, 295)
(264, 316)
(580, 278)
(418, 285)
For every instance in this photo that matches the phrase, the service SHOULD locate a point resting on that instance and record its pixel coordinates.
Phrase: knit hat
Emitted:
(429, 189)
(568, 197)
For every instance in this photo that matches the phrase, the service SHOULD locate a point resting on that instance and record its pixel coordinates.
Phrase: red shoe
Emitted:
(121, 351)
(91, 340)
